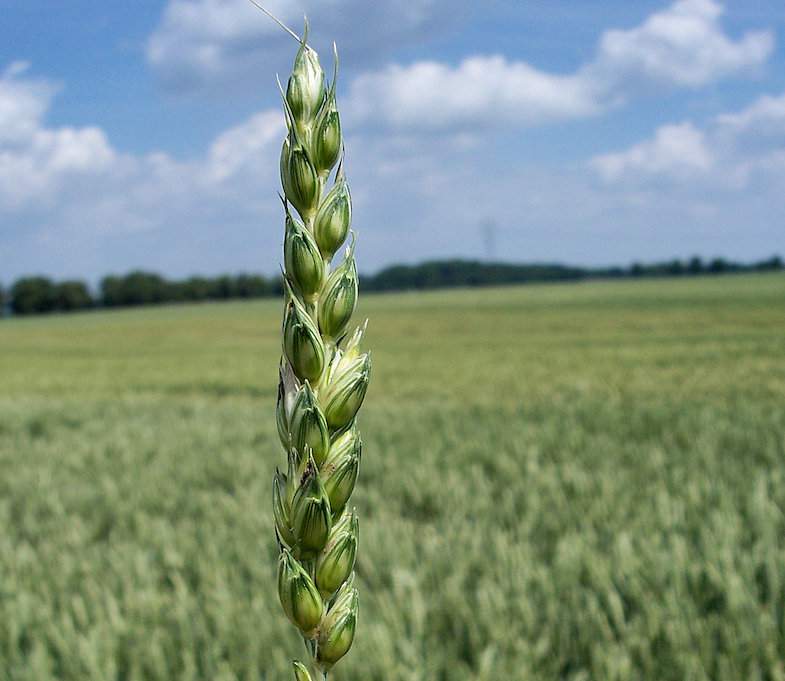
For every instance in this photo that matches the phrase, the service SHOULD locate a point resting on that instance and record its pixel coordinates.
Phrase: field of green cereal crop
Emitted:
(569, 482)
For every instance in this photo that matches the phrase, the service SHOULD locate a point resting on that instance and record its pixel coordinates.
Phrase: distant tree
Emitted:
(450, 273)
(196, 288)
(773, 264)
(139, 288)
(72, 295)
(32, 295)
(223, 287)
(609, 272)
(718, 266)
(145, 287)
(276, 286)
(175, 291)
(251, 286)
(110, 291)
(675, 267)
(695, 265)
(135, 288)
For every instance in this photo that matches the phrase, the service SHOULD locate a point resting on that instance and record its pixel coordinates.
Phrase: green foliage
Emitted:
(558, 483)
(36, 295)
(453, 273)
(72, 295)
(33, 295)
(143, 288)
(136, 288)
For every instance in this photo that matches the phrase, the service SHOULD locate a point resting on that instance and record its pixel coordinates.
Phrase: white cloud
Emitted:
(243, 146)
(766, 115)
(480, 90)
(201, 43)
(77, 188)
(72, 204)
(729, 151)
(38, 162)
(215, 43)
(676, 150)
(23, 103)
(34, 160)
(683, 45)
(34, 171)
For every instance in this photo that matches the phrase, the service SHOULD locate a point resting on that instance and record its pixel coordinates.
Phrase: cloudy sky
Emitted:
(147, 134)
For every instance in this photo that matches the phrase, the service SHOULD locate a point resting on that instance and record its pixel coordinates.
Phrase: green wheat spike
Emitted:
(323, 374)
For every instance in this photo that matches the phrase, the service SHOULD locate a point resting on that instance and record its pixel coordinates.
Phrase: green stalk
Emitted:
(323, 375)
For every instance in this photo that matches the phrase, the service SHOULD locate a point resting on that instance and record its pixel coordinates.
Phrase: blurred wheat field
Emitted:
(570, 482)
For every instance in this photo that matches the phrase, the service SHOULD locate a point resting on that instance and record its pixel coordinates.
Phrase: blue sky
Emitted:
(146, 134)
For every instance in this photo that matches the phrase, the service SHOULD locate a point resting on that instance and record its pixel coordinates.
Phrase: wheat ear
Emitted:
(323, 376)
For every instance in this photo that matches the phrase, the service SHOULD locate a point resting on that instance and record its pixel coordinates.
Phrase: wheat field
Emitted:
(572, 482)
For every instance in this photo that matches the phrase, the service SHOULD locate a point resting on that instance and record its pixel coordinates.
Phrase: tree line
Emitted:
(37, 295)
